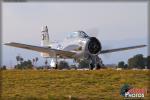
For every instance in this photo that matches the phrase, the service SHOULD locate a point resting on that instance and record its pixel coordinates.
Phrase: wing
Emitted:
(50, 51)
(121, 49)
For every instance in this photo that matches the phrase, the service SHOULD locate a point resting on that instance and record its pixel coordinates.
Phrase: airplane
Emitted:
(77, 46)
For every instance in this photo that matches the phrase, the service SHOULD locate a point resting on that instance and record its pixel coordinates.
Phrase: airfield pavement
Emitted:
(70, 84)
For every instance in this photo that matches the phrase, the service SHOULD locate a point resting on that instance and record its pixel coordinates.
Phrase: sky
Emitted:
(115, 24)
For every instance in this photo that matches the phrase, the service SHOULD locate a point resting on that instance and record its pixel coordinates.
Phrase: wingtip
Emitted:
(144, 45)
(7, 43)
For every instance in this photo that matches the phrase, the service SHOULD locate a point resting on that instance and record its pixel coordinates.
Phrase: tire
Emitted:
(98, 66)
(56, 66)
(91, 66)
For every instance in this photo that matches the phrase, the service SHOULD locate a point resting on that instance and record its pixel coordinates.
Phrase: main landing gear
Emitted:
(96, 63)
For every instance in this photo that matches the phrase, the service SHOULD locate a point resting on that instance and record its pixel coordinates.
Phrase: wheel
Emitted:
(98, 66)
(91, 66)
(56, 67)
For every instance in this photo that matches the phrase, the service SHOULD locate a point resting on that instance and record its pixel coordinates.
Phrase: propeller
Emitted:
(93, 32)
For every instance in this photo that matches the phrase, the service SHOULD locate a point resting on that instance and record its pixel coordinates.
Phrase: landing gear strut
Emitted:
(96, 63)
(56, 64)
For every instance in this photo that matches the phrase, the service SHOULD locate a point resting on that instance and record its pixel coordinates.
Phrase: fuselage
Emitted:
(81, 43)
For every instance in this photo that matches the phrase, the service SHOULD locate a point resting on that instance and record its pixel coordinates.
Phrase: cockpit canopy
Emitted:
(78, 34)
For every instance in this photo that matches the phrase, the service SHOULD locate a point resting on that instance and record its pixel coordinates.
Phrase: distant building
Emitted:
(73, 67)
(118, 68)
(111, 66)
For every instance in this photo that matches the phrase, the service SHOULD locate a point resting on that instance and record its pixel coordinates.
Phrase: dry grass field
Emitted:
(70, 84)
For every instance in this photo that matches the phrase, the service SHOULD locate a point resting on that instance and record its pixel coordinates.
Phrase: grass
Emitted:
(70, 84)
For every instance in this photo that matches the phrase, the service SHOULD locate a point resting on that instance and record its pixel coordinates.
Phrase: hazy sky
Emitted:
(116, 25)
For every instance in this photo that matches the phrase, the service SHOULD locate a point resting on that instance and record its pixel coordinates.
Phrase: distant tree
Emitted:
(24, 65)
(148, 62)
(21, 59)
(36, 60)
(137, 62)
(41, 67)
(33, 61)
(126, 66)
(121, 64)
(46, 62)
(18, 59)
(140, 61)
(84, 63)
(3, 68)
(63, 64)
(27, 64)
(131, 63)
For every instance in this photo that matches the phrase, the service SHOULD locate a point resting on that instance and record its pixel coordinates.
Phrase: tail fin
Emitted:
(45, 37)
(45, 40)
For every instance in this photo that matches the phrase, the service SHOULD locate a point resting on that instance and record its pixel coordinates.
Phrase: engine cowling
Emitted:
(94, 45)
